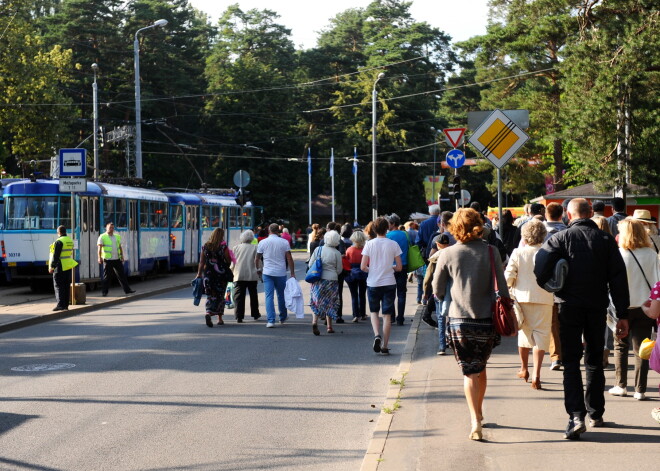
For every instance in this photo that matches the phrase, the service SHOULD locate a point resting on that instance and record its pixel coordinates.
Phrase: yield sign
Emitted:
(454, 135)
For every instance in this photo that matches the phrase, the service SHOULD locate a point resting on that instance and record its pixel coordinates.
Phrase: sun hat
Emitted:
(643, 215)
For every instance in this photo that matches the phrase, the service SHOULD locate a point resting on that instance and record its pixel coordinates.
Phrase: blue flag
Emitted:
(309, 161)
(332, 162)
(354, 160)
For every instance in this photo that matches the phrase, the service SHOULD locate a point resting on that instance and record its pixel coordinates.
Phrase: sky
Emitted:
(460, 19)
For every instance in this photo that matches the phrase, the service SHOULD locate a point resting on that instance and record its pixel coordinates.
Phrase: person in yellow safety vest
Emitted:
(60, 262)
(111, 256)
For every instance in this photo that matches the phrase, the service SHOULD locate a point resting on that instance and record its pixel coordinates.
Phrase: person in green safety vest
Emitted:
(111, 256)
(60, 262)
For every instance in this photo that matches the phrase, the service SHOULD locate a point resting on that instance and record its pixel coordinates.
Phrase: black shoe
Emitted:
(60, 308)
(399, 322)
(428, 320)
(339, 320)
(377, 341)
(240, 321)
(256, 317)
(104, 294)
(209, 322)
(130, 291)
(384, 351)
(575, 428)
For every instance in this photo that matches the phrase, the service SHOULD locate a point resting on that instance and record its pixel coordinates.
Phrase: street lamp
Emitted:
(435, 142)
(374, 194)
(138, 111)
(95, 98)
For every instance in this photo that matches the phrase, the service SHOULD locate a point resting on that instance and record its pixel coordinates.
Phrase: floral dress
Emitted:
(216, 277)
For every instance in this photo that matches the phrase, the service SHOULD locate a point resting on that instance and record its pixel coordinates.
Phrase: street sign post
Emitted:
(73, 162)
(455, 158)
(241, 180)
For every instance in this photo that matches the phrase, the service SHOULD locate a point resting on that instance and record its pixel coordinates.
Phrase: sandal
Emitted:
(331, 331)
(221, 322)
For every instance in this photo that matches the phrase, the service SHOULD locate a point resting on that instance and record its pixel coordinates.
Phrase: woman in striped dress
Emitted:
(325, 292)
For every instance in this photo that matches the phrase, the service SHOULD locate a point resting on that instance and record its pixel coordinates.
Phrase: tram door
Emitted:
(89, 234)
(133, 235)
(192, 234)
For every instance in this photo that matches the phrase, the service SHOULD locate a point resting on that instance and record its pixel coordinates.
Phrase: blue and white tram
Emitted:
(159, 230)
(3, 253)
(35, 209)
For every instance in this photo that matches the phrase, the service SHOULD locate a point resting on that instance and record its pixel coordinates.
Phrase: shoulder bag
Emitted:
(415, 259)
(504, 320)
(315, 271)
(641, 269)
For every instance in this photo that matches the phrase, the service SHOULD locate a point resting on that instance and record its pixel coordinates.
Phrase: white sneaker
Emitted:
(270, 325)
(618, 391)
(640, 396)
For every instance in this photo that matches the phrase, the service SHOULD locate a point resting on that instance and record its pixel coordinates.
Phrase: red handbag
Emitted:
(504, 318)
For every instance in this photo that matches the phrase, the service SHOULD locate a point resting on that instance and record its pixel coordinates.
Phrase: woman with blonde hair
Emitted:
(643, 271)
(312, 236)
(534, 302)
(601, 222)
(471, 335)
(213, 268)
(325, 292)
(357, 279)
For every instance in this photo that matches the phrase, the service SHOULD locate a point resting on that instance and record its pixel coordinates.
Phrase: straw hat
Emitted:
(643, 215)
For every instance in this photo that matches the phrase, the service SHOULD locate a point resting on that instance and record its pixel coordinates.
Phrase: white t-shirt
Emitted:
(274, 250)
(381, 252)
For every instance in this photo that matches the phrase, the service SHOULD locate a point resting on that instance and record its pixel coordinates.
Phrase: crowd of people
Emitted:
(567, 267)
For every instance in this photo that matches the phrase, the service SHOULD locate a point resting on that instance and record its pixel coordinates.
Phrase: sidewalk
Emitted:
(524, 427)
(39, 308)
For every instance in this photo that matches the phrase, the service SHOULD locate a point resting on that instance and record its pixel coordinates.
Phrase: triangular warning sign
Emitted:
(454, 135)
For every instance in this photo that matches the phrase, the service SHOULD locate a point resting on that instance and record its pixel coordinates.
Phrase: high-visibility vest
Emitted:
(107, 245)
(66, 256)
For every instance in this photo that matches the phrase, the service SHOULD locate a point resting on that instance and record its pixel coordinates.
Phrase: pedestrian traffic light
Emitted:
(240, 198)
(374, 201)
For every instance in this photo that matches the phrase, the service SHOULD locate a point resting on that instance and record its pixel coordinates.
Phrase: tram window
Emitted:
(247, 217)
(177, 215)
(206, 217)
(216, 216)
(16, 213)
(65, 211)
(196, 218)
(31, 212)
(108, 211)
(95, 210)
(233, 216)
(144, 214)
(84, 223)
(121, 213)
(161, 214)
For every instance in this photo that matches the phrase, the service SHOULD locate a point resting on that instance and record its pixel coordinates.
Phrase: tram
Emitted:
(159, 230)
(3, 182)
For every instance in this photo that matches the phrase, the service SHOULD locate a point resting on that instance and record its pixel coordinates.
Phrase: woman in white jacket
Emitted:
(643, 272)
(325, 292)
(534, 302)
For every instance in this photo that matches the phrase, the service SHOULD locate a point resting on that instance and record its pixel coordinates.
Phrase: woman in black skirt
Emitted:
(470, 331)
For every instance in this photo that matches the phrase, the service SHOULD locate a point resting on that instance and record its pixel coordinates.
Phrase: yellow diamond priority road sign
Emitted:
(498, 138)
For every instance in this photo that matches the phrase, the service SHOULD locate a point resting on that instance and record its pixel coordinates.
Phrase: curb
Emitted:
(378, 440)
(83, 309)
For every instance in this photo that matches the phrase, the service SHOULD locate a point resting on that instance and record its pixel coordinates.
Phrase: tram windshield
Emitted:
(33, 212)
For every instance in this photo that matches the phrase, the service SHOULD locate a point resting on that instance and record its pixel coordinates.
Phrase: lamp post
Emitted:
(95, 100)
(435, 142)
(138, 111)
(374, 194)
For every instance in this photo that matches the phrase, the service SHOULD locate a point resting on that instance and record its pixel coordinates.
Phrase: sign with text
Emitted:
(73, 185)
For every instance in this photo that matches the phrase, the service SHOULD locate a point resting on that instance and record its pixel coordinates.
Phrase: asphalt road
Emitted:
(147, 386)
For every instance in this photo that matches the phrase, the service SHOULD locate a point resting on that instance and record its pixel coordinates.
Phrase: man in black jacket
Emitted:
(595, 267)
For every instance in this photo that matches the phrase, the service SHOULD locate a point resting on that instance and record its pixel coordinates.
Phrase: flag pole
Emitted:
(355, 223)
(309, 181)
(332, 178)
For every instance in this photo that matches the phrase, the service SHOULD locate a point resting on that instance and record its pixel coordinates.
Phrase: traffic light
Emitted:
(455, 187)
(246, 196)
(374, 201)
(240, 198)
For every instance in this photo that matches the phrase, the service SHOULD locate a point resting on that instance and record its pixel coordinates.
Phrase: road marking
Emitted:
(44, 367)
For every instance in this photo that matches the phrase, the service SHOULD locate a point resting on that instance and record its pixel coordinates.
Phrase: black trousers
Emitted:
(62, 284)
(340, 280)
(573, 323)
(240, 288)
(118, 268)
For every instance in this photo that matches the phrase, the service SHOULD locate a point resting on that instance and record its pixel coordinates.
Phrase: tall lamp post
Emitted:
(138, 111)
(95, 100)
(374, 193)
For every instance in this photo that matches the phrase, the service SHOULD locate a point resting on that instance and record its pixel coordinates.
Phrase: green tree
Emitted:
(35, 111)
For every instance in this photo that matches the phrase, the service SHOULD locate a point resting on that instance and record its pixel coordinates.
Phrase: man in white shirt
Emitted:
(381, 257)
(275, 253)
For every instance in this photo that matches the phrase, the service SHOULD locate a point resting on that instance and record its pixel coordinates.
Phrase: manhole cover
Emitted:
(44, 367)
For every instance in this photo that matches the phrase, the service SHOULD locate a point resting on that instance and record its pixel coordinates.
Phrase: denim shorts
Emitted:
(386, 294)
